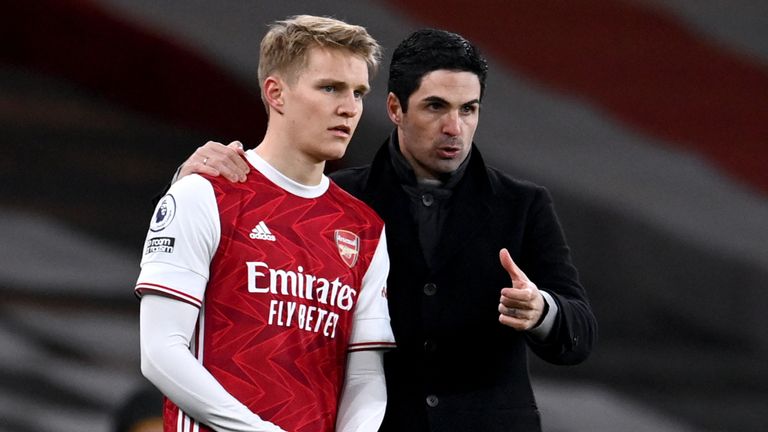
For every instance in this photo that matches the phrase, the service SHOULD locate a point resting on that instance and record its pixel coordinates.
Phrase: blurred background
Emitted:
(646, 119)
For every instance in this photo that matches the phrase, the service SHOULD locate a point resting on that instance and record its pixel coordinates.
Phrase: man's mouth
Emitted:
(448, 152)
(341, 130)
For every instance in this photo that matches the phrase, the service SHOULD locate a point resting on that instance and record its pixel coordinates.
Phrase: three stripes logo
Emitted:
(261, 232)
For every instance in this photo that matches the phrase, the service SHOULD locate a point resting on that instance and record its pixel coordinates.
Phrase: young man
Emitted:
(257, 296)
(481, 271)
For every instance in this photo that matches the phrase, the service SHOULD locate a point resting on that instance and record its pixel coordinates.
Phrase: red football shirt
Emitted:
(288, 279)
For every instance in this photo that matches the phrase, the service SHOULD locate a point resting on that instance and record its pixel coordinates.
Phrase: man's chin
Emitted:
(447, 167)
(334, 156)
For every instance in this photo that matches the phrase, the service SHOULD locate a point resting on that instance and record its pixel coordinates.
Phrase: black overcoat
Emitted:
(456, 368)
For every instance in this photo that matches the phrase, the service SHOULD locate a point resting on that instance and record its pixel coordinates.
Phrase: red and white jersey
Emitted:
(288, 279)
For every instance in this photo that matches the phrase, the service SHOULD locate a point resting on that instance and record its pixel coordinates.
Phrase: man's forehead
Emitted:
(449, 85)
(338, 63)
(449, 77)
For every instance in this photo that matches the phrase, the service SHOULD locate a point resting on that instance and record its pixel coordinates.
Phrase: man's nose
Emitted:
(452, 123)
(350, 105)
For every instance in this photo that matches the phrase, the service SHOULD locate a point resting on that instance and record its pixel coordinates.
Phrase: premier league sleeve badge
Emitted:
(166, 210)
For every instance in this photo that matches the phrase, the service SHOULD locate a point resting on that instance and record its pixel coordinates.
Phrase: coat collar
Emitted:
(470, 209)
(406, 174)
(384, 172)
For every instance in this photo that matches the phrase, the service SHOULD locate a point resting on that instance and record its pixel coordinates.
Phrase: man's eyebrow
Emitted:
(433, 99)
(438, 99)
(364, 88)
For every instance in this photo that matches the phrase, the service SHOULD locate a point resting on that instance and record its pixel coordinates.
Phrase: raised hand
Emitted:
(520, 305)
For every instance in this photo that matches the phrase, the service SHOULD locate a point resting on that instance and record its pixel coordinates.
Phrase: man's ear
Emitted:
(394, 109)
(274, 93)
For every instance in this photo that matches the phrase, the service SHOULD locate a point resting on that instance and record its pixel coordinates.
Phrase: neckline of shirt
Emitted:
(283, 181)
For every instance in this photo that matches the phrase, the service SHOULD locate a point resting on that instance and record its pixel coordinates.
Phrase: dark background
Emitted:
(647, 122)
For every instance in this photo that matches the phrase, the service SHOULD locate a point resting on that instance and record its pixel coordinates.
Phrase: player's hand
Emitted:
(216, 159)
(521, 305)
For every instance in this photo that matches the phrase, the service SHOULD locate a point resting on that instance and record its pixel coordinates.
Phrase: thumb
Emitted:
(509, 265)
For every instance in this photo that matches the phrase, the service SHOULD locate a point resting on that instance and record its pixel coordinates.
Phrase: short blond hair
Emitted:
(284, 48)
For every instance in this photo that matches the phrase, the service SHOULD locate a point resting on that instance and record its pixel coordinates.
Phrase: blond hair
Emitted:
(284, 48)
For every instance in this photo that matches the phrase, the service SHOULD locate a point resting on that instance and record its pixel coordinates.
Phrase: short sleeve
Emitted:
(183, 236)
(371, 328)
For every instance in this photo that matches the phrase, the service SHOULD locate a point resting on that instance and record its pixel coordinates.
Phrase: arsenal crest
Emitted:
(349, 246)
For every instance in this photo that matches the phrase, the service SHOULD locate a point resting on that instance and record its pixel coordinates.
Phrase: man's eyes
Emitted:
(464, 109)
(359, 94)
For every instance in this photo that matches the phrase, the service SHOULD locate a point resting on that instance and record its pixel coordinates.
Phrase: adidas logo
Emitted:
(261, 232)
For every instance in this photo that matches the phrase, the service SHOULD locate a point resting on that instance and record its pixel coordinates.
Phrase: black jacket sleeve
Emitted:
(547, 262)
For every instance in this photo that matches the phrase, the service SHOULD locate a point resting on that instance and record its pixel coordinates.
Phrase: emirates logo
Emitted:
(348, 244)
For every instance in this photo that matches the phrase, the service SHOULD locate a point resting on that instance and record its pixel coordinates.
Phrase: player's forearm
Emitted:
(166, 326)
(364, 395)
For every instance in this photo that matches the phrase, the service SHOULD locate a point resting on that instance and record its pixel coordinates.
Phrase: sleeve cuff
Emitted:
(371, 334)
(542, 330)
(169, 280)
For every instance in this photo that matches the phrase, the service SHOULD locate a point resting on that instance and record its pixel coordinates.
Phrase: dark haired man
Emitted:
(463, 312)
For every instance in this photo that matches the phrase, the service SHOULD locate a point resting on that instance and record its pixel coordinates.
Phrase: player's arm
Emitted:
(364, 395)
(166, 329)
(183, 236)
